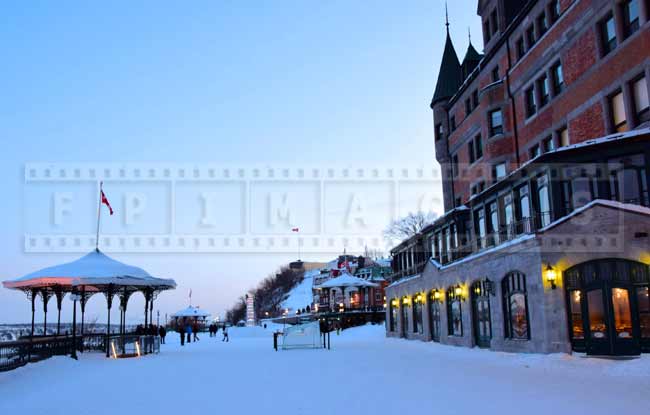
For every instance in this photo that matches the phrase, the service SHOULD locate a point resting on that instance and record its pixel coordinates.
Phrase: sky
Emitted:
(281, 83)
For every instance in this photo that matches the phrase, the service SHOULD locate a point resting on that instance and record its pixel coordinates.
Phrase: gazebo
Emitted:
(91, 274)
(193, 313)
(346, 280)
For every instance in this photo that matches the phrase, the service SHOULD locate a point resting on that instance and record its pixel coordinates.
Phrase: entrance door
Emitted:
(481, 315)
(610, 324)
(434, 318)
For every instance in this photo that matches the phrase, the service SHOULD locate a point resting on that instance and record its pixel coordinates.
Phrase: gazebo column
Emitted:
(58, 292)
(124, 299)
(109, 303)
(45, 295)
(33, 299)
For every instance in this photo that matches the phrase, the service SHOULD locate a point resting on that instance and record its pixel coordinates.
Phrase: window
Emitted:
(454, 165)
(495, 74)
(438, 131)
(557, 78)
(468, 107)
(477, 188)
(563, 136)
(470, 152)
(617, 112)
(494, 22)
(529, 96)
(548, 144)
(544, 203)
(554, 10)
(641, 103)
(580, 186)
(542, 24)
(486, 30)
(498, 171)
(628, 182)
(508, 214)
(458, 201)
(493, 223)
(521, 49)
(534, 151)
(630, 9)
(496, 122)
(452, 123)
(478, 146)
(544, 93)
(643, 300)
(475, 99)
(515, 306)
(454, 313)
(523, 210)
(530, 36)
(607, 29)
(479, 224)
(475, 149)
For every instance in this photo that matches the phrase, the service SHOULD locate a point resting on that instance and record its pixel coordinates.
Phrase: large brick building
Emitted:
(545, 158)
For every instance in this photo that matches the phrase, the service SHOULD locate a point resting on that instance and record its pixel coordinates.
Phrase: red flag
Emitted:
(105, 201)
(295, 230)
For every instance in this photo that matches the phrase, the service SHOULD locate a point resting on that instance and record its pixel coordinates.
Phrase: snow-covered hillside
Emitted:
(301, 295)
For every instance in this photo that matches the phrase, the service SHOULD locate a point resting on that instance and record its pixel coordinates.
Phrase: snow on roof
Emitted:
(93, 268)
(404, 280)
(601, 202)
(347, 280)
(191, 312)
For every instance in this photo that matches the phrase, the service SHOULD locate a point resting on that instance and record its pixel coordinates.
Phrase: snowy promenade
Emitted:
(246, 376)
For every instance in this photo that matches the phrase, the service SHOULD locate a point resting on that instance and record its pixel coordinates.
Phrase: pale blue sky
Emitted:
(275, 82)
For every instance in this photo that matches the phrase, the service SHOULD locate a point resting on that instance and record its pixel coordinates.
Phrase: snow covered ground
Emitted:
(364, 373)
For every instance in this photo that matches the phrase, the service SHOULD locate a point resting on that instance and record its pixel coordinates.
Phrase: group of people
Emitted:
(191, 331)
(214, 328)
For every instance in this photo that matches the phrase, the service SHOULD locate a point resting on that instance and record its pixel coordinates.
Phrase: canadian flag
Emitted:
(105, 201)
(295, 230)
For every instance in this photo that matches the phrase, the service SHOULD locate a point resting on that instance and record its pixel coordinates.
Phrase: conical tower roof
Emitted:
(449, 76)
(470, 61)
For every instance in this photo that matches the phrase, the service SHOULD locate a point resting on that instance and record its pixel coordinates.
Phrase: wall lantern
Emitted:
(436, 295)
(551, 276)
(458, 292)
(418, 299)
(406, 301)
(394, 303)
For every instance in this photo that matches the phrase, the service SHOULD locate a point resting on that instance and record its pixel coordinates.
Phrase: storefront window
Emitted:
(417, 317)
(622, 313)
(597, 324)
(393, 317)
(577, 327)
(643, 299)
(513, 287)
(454, 314)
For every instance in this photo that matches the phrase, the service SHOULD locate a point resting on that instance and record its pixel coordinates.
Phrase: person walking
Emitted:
(162, 332)
(181, 331)
(224, 329)
(195, 330)
(188, 331)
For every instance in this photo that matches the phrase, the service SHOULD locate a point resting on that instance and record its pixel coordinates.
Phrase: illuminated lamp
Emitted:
(551, 276)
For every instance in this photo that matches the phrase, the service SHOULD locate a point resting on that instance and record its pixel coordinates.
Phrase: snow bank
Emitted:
(301, 295)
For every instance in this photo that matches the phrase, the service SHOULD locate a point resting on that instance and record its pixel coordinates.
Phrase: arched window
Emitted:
(515, 306)
(454, 313)
(392, 318)
(417, 314)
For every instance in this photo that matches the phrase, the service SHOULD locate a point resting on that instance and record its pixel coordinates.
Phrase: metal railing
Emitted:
(18, 353)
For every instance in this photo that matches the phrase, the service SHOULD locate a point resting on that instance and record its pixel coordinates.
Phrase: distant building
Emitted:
(544, 150)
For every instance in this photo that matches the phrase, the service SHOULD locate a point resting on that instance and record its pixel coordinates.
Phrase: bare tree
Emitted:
(409, 225)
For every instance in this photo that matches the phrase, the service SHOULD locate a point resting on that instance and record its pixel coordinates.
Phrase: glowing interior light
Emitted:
(114, 352)
(137, 347)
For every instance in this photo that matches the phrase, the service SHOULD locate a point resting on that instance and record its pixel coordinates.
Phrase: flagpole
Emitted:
(99, 215)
